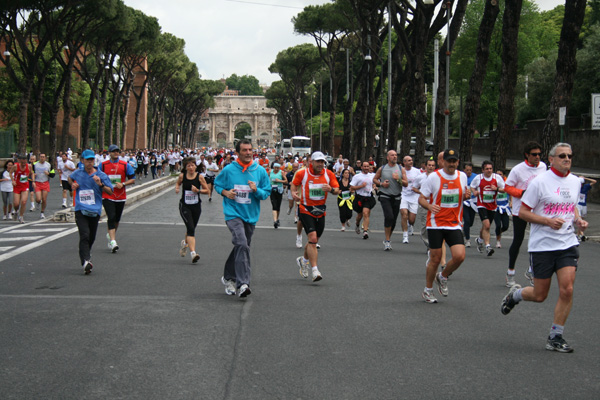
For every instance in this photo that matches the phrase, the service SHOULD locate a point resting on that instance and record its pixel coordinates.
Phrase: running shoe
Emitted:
(357, 229)
(479, 245)
(64, 205)
(366, 234)
(583, 238)
(114, 247)
(429, 297)
(557, 343)
(295, 220)
(299, 241)
(289, 211)
(318, 246)
(244, 290)
(341, 230)
(467, 243)
(411, 230)
(21, 220)
(405, 239)
(387, 246)
(508, 303)
(87, 267)
(4, 217)
(316, 275)
(529, 276)
(42, 216)
(183, 249)
(195, 257)
(489, 251)
(304, 267)
(275, 224)
(32, 208)
(229, 286)
(210, 199)
(348, 223)
(108, 238)
(510, 280)
(442, 284)
(498, 245)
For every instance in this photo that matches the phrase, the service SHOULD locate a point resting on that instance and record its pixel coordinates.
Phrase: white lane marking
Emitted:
(19, 238)
(39, 243)
(41, 230)
(6, 248)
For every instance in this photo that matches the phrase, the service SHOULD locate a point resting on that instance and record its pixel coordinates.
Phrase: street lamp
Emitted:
(6, 53)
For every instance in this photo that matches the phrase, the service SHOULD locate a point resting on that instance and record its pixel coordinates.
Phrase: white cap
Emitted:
(317, 155)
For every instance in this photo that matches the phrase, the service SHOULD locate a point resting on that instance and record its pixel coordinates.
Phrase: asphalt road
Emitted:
(148, 324)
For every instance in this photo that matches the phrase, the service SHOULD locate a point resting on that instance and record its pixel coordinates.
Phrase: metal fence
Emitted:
(8, 142)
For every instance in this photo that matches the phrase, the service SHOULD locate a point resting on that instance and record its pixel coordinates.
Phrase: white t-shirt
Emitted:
(65, 173)
(6, 186)
(211, 169)
(520, 177)
(552, 196)
(358, 179)
(475, 183)
(419, 180)
(407, 193)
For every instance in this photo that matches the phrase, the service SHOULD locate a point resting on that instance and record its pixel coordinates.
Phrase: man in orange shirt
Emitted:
(315, 182)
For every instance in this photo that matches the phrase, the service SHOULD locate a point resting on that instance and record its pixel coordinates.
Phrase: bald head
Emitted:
(440, 159)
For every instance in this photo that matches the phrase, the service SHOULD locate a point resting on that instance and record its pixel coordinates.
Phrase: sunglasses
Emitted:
(565, 155)
(535, 154)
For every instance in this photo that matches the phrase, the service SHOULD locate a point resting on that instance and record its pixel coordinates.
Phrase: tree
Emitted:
(247, 85)
(566, 67)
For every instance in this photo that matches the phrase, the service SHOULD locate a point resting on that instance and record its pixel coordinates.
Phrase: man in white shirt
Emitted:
(550, 205)
(364, 201)
(409, 205)
(65, 169)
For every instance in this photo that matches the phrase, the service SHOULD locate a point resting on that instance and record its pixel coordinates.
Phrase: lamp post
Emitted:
(321, 110)
(368, 58)
(448, 6)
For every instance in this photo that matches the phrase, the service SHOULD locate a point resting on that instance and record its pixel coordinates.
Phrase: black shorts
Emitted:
(451, 236)
(210, 180)
(312, 224)
(361, 202)
(66, 186)
(546, 263)
(114, 210)
(484, 213)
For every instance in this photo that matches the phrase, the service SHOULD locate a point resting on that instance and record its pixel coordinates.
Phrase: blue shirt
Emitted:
(88, 196)
(585, 188)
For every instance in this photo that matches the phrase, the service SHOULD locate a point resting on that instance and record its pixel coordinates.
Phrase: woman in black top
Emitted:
(344, 199)
(189, 205)
(153, 165)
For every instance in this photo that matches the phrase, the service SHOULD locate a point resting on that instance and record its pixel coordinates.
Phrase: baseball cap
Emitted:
(317, 155)
(450, 154)
(87, 154)
(113, 147)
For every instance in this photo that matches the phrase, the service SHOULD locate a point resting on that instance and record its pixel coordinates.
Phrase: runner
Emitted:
(442, 196)
(243, 185)
(6, 187)
(390, 178)
(89, 184)
(517, 182)
(65, 169)
(417, 184)
(212, 169)
(20, 177)
(486, 187)
(315, 182)
(42, 172)
(190, 205)
(32, 162)
(549, 204)
(409, 204)
(503, 212)
(345, 199)
(586, 186)
(121, 174)
(362, 185)
(289, 177)
(277, 181)
(470, 205)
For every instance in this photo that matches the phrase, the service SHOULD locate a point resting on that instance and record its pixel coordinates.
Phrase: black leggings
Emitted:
(276, 199)
(391, 209)
(190, 214)
(502, 222)
(519, 226)
(469, 217)
(345, 211)
(88, 226)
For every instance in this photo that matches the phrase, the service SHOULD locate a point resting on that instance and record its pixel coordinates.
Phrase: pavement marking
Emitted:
(39, 243)
(18, 238)
(42, 230)
(6, 248)
(92, 297)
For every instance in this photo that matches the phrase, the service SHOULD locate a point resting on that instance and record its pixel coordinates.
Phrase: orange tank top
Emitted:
(449, 197)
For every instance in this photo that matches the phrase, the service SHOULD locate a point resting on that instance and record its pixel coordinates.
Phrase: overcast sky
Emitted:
(224, 37)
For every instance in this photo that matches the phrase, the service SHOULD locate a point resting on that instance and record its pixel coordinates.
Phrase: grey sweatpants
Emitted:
(237, 266)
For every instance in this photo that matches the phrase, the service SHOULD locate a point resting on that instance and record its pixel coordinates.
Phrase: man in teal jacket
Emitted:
(243, 184)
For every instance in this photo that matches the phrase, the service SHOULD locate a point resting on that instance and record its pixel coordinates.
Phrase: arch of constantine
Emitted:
(230, 111)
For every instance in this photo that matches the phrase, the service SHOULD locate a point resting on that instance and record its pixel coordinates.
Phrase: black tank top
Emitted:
(187, 195)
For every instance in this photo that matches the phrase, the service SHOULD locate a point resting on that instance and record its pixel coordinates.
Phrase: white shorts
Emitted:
(411, 206)
(289, 195)
(582, 210)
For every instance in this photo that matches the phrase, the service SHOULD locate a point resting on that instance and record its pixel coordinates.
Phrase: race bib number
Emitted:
(581, 198)
(189, 197)
(345, 195)
(23, 179)
(315, 192)
(449, 198)
(242, 194)
(488, 196)
(114, 179)
(87, 197)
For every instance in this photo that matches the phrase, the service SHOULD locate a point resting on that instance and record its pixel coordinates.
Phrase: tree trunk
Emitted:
(102, 114)
(66, 103)
(126, 94)
(508, 81)
(566, 67)
(473, 101)
(37, 115)
(23, 109)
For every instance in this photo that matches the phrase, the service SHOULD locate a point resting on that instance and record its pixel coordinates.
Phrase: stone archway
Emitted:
(221, 139)
(230, 111)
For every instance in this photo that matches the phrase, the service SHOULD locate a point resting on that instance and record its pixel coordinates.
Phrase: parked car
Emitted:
(428, 144)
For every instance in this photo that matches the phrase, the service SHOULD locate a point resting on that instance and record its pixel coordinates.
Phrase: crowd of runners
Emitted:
(444, 196)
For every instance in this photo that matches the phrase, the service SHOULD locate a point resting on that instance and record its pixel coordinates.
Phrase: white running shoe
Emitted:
(21, 220)
(195, 257)
(498, 245)
(442, 284)
(429, 297)
(4, 217)
(467, 243)
(87, 267)
(411, 230)
(304, 267)
(42, 216)
(479, 245)
(489, 251)
(298, 241)
(387, 246)
(318, 246)
(244, 290)
(405, 239)
(113, 246)
(316, 275)
(341, 230)
(529, 276)
(510, 280)
(229, 286)
(108, 238)
(183, 249)
(32, 207)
